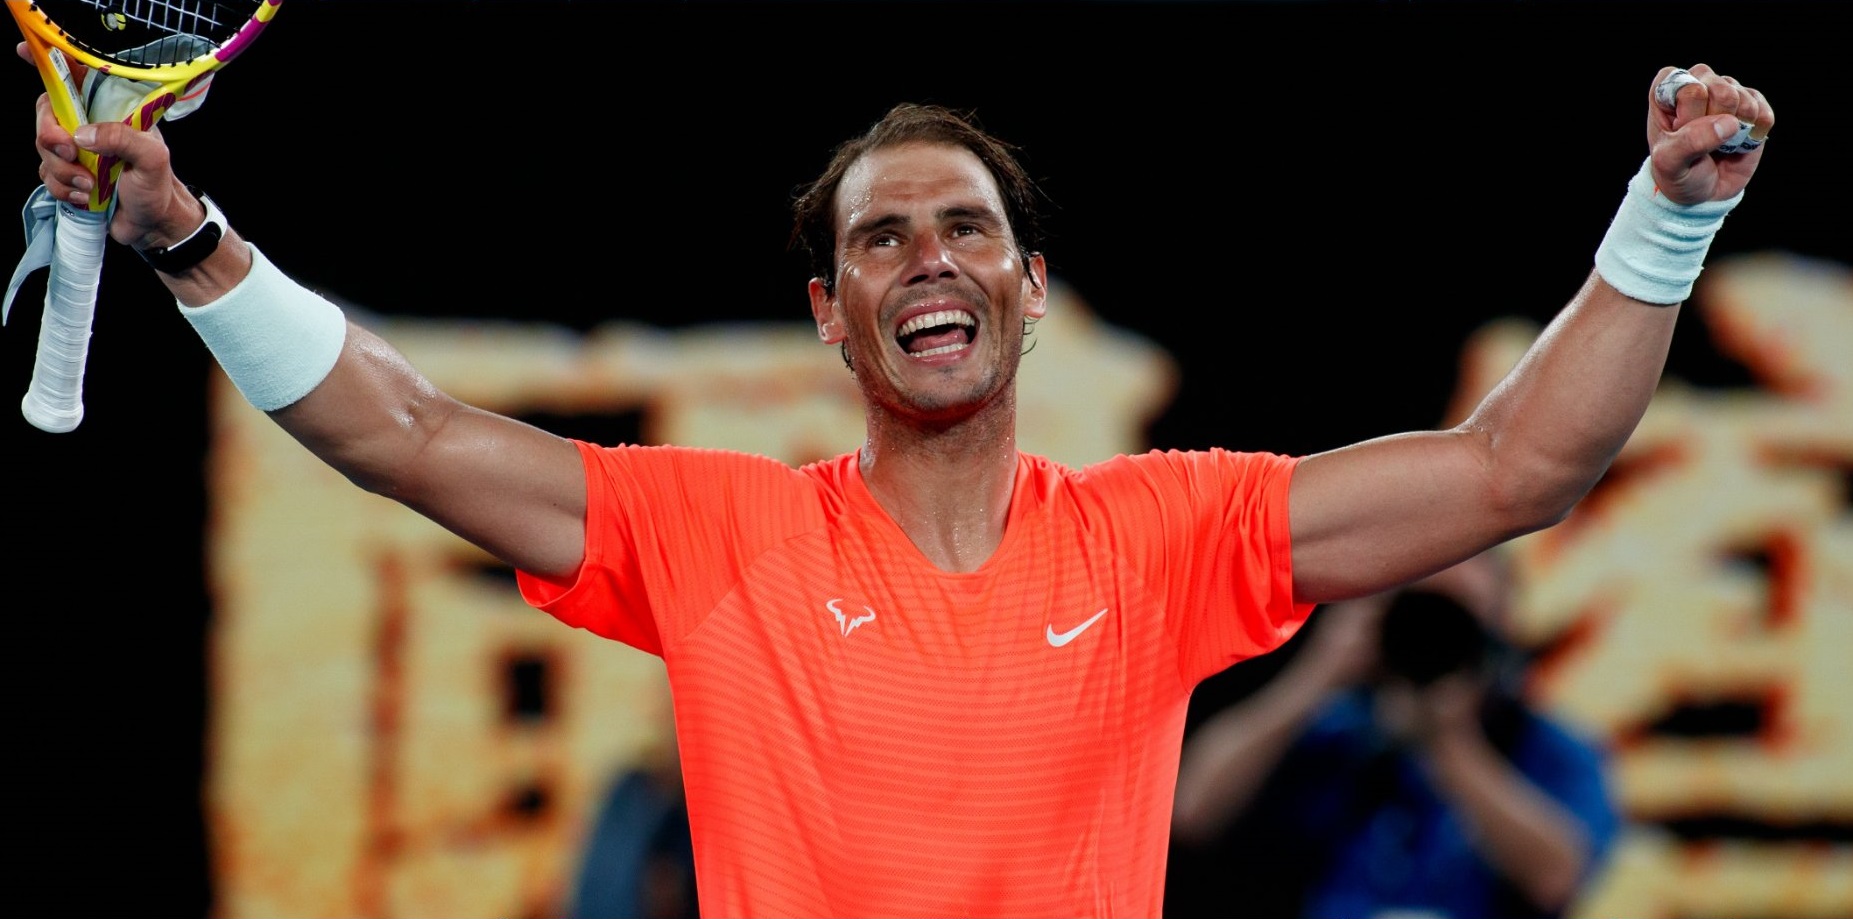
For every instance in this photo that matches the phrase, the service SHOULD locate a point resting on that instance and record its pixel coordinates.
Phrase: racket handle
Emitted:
(55, 399)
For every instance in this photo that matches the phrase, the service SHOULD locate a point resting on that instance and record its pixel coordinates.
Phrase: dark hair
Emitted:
(814, 210)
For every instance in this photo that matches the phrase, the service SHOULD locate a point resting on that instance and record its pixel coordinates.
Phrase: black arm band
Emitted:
(191, 251)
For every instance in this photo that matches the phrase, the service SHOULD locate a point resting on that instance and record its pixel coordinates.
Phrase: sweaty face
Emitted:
(931, 291)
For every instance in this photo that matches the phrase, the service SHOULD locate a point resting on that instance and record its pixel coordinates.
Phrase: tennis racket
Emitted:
(143, 60)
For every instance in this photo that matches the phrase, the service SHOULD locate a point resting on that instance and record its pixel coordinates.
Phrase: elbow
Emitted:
(402, 460)
(1543, 516)
(1532, 483)
(373, 467)
(1529, 497)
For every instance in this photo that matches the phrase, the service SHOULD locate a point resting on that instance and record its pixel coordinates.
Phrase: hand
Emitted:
(1447, 709)
(1683, 140)
(1450, 706)
(153, 207)
(1425, 716)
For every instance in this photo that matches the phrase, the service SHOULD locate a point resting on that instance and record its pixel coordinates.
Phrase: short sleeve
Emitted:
(669, 530)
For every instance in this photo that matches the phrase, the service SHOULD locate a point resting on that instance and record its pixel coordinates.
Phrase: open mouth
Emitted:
(938, 332)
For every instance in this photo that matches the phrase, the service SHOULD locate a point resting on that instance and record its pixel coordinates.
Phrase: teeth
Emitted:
(942, 317)
(942, 349)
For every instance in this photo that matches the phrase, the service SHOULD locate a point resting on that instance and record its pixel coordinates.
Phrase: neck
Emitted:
(947, 487)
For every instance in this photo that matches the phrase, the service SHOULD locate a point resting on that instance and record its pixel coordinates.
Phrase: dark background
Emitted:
(1310, 204)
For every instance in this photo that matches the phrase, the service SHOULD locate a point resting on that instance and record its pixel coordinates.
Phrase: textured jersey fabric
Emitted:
(863, 734)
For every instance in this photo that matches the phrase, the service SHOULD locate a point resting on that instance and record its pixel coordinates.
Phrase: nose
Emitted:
(932, 260)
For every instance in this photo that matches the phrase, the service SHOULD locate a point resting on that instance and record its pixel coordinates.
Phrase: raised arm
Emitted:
(1384, 512)
(511, 488)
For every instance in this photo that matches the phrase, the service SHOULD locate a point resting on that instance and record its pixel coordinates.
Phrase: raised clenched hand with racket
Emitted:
(134, 61)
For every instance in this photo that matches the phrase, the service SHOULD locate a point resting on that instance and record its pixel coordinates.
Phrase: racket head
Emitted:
(153, 53)
(159, 41)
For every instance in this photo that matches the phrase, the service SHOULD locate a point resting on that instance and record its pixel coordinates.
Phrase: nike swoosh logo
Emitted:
(1057, 639)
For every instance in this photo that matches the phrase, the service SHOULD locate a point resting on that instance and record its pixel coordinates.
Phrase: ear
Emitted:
(827, 313)
(1036, 305)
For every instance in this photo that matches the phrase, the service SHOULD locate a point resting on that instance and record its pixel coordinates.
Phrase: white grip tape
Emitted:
(274, 338)
(55, 398)
(1654, 249)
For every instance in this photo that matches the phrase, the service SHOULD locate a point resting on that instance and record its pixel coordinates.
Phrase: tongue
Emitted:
(935, 338)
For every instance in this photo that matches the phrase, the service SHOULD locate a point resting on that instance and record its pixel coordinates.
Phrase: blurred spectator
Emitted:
(1393, 767)
(639, 861)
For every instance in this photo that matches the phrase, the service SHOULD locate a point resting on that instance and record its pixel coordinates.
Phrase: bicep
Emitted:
(514, 490)
(1381, 513)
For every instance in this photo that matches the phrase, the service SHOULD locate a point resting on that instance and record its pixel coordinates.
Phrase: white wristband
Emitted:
(274, 338)
(1655, 249)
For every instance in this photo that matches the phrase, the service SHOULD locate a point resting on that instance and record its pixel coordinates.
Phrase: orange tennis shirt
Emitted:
(863, 734)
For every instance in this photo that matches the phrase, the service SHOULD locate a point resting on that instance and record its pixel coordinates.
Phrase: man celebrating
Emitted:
(935, 675)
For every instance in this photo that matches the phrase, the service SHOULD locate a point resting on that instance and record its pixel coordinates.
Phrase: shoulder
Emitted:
(704, 459)
(1188, 465)
(1216, 494)
(1191, 476)
(833, 471)
(704, 476)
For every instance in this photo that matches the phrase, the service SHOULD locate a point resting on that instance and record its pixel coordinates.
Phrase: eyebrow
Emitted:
(876, 227)
(887, 222)
(970, 212)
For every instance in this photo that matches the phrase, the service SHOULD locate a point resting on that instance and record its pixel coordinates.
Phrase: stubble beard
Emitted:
(934, 409)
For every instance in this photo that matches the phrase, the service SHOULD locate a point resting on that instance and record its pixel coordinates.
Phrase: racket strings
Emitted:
(164, 15)
(131, 31)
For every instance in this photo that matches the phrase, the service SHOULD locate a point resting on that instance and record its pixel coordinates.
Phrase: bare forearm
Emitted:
(1557, 421)
(513, 489)
(372, 416)
(1387, 511)
(1232, 754)
(361, 407)
(1528, 837)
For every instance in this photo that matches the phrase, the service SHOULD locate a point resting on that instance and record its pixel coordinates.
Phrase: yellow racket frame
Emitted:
(174, 82)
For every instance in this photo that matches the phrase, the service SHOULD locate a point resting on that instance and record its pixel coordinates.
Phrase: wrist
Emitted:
(1454, 753)
(1654, 249)
(275, 339)
(194, 246)
(211, 279)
